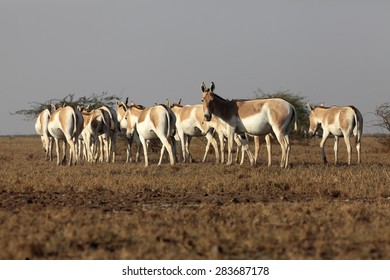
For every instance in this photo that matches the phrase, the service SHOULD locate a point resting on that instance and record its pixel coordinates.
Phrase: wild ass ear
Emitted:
(118, 102)
(212, 87)
(168, 103)
(322, 104)
(132, 103)
(309, 107)
(202, 87)
(53, 106)
(179, 102)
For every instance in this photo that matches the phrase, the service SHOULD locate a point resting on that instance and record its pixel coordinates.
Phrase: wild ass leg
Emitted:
(325, 135)
(335, 148)
(222, 146)
(113, 147)
(50, 147)
(168, 146)
(57, 150)
(72, 153)
(64, 152)
(358, 149)
(138, 142)
(183, 145)
(239, 149)
(161, 154)
(206, 151)
(128, 149)
(269, 148)
(282, 143)
(143, 142)
(187, 147)
(349, 148)
(213, 142)
(256, 139)
(245, 148)
(288, 149)
(230, 137)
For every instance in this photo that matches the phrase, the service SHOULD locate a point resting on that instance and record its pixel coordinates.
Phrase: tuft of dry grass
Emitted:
(197, 210)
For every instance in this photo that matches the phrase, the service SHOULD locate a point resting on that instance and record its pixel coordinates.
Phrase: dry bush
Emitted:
(384, 141)
(195, 211)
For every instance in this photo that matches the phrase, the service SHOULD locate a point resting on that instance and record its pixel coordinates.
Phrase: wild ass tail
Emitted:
(168, 116)
(101, 113)
(357, 130)
(294, 117)
(74, 121)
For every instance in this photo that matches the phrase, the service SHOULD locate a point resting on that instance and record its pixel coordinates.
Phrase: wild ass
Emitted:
(151, 123)
(41, 128)
(255, 117)
(66, 124)
(340, 122)
(109, 137)
(96, 122)
(120, 112)
(190, 123)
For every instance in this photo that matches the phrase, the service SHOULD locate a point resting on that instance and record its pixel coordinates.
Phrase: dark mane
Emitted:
(219, 97)
(164, 105)
(122, 105)
(139, 107)
(176, 105)
(323, 107)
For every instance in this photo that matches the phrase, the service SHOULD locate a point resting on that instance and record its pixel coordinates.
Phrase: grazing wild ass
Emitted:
(151, 123)
(66, 124)
(190, 123)
(255, 117)
(340, 122)
(41, 128)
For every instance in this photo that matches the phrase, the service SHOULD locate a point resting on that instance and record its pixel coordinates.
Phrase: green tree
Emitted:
(298, 101)
(93, 101)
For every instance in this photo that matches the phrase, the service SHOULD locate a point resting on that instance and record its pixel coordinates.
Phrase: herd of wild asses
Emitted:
(91, 134)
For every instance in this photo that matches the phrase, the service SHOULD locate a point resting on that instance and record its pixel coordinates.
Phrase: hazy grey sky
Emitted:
(336, 52)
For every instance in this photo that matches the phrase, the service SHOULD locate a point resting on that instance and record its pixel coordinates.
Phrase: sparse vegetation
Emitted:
(93, 101)
(382, 113)
(194, 211)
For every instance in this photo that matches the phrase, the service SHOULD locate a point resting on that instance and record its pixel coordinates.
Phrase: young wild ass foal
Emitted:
(66, 124)
(41, 128)
(339, 121)
(151, 123)
(255, 117)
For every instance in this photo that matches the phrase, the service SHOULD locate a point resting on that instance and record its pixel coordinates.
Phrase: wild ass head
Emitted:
(314, 123)
(208, 100)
